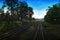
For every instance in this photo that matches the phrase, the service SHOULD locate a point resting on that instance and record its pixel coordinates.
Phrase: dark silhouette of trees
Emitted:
(30, 12)
(23, 10)
(1, 15)
(53, 15)
(17, 11)
(10, 3)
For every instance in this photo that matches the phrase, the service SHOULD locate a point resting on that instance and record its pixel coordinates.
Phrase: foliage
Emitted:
(10, 3)
(17, 11)
(30, 10)
(4, 27)
(53, 15)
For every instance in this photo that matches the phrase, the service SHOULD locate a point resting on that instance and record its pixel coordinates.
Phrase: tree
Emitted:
(18, 10)
(23, 10)
(53, 15)
(30, 12)
(10, 3)
(2, 15)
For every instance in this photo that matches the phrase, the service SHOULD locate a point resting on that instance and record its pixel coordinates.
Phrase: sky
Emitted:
(39, 6)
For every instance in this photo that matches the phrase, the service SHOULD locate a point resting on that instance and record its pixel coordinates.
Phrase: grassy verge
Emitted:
(4, 27)
(53, 28)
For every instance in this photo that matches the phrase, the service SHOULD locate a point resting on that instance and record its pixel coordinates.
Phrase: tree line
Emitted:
(17, 11)
(53, 14)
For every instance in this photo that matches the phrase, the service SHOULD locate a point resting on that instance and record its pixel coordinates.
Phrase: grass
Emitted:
(4, 27)
(53, 28)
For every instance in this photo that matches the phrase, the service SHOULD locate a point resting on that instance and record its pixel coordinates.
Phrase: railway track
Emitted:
(39, 33)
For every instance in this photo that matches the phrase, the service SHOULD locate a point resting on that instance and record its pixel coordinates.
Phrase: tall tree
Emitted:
(11, 4)
(23, 9)
(53, 15)
(18, 9)
(30, 12)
